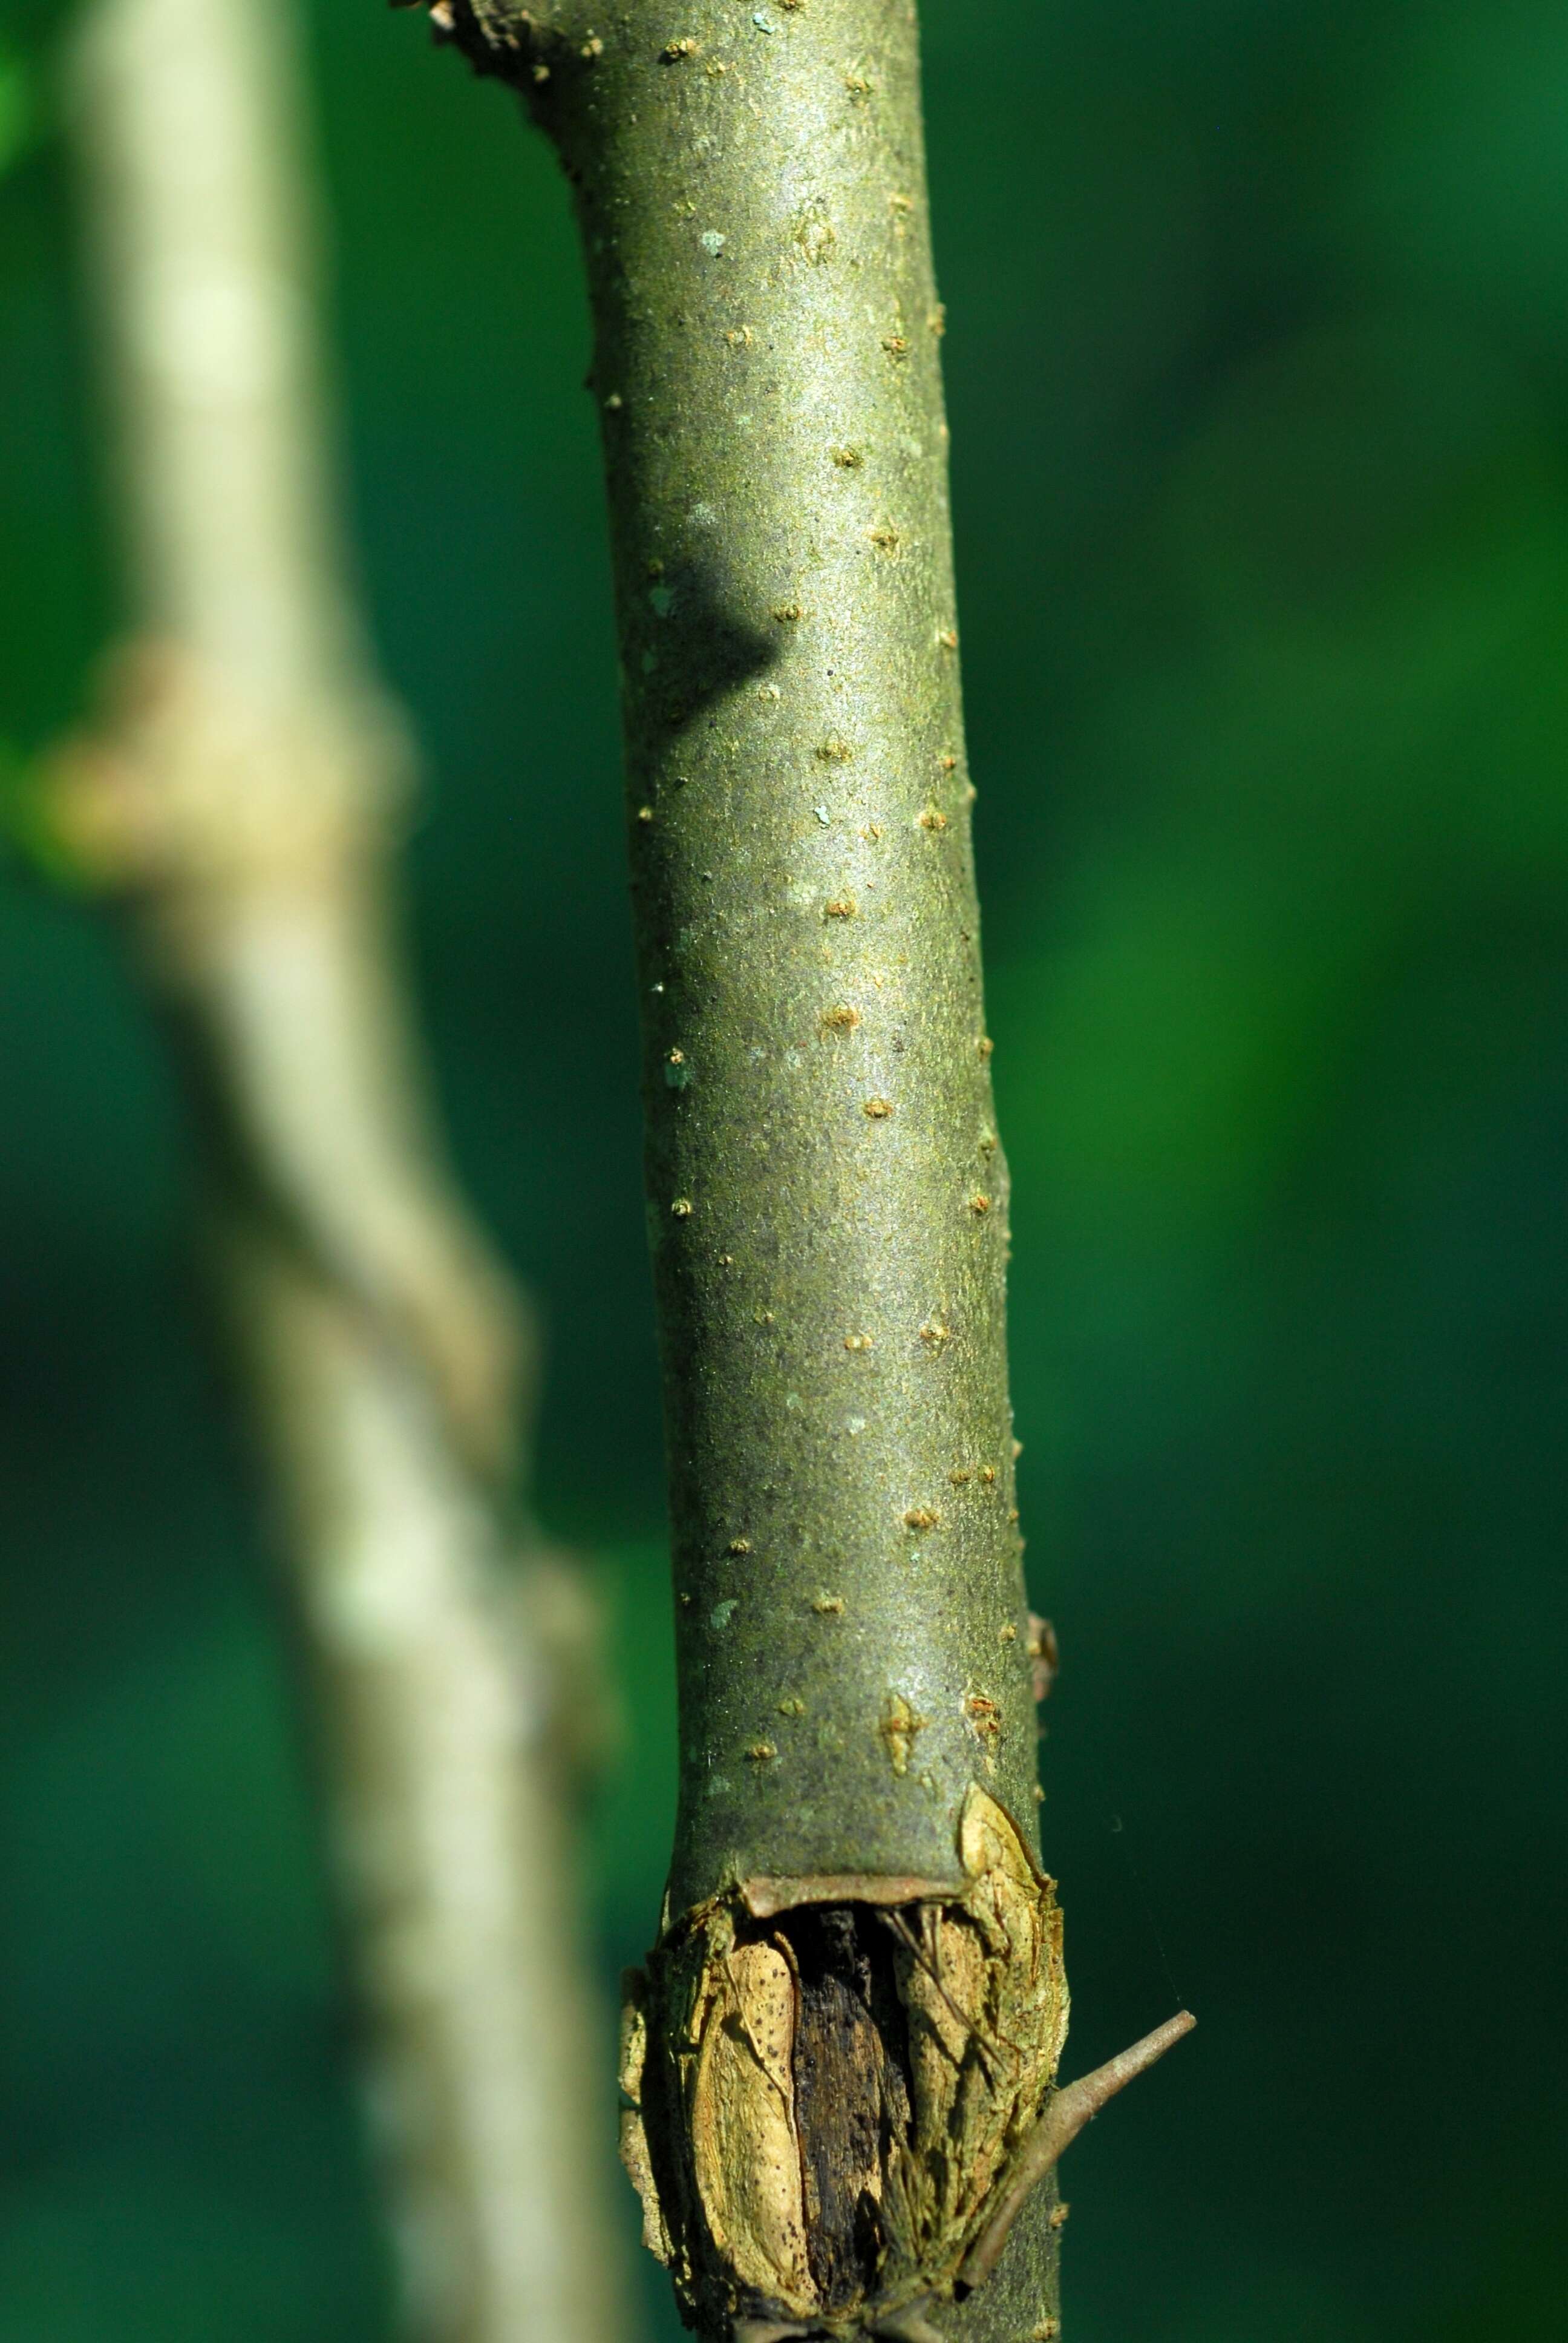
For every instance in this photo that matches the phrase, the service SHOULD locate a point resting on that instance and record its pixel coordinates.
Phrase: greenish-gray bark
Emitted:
(827, 1200)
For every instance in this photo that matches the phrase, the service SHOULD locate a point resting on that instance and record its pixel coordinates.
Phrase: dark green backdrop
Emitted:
(1259, 370)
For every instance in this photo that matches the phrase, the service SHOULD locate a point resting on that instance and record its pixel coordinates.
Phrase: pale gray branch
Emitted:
(242, 792)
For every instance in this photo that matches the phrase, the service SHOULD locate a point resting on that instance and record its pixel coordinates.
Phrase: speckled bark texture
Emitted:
(827, 1200)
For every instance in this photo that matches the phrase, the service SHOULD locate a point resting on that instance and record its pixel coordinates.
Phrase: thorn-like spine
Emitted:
(1068, 2111)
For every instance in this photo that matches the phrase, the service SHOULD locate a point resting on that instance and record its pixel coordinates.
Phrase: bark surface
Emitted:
(855, 2005)
(828, 1200)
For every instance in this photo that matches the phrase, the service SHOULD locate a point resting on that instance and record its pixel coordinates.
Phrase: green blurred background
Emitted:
(1257, 365)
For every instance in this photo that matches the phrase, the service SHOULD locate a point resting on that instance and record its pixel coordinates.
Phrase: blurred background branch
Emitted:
(241, 793)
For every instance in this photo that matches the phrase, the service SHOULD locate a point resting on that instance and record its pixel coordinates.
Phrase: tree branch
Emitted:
(819, 2105)
(241, 794)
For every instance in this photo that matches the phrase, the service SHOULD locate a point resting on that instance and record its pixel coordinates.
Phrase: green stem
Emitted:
(827, 1198)
(827, 1201)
